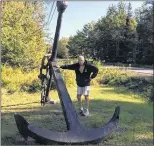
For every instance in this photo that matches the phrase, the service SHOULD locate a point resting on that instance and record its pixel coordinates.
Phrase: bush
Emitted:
(117, 77)
(98, 64)
(14, 79)
(69, 77)
(17, 80)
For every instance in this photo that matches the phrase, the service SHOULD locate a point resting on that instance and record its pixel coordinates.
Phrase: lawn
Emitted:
(136, 118)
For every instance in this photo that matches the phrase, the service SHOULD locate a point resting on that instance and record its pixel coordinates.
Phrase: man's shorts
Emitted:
(83, 90)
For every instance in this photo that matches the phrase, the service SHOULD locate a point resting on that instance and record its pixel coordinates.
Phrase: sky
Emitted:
(79, 13)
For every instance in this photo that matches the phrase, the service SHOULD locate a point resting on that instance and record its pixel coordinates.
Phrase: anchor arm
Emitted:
(80, 136)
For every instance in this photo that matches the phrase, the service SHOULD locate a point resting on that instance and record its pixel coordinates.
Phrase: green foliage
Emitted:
(98, 64)
(136, 117)
(144, 30)
(69, 77)
(18, 80)
(14, 79)
(62, 48)
(23, 42)
(117, 77)
(110, 39)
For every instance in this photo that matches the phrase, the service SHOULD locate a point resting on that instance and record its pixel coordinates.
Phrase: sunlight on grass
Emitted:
(135, 125)
(108, 94)
(144, 136)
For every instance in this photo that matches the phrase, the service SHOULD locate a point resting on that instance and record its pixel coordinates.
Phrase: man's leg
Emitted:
(86, 94)
(80, 101)
(79, 94)
(87, 101)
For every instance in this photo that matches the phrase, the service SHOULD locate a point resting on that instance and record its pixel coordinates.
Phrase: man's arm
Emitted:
(94, 71)
(70, 67)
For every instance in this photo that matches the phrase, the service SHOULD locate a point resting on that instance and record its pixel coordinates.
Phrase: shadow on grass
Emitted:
(8, 106)
(134, 118)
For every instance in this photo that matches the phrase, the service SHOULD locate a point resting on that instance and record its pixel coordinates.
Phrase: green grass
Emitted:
(135, 125)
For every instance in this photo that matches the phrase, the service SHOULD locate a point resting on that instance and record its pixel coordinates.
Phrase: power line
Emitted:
(47, 23)
(44, 23)
(52, 15)
(50, 12)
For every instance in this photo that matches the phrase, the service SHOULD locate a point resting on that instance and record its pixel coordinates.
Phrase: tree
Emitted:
(144, 30)
(62, 48)
(22, 36)
(117, 37)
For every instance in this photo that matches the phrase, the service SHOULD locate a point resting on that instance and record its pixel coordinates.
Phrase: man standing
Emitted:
(85, 72)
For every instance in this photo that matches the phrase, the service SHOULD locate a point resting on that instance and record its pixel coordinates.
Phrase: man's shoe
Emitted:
(81, 110)
(86, 112)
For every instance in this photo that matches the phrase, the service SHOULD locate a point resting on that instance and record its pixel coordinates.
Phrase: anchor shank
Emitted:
(61, 6)
(54, 50)
(71, 118)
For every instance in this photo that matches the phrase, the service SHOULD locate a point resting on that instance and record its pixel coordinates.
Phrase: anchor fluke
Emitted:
(77, 135)
(22, 126)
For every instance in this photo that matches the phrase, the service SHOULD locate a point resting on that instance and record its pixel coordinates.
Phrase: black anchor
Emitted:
(76, 133)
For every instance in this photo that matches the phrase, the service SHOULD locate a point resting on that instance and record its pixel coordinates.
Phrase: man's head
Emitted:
(81, 60)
